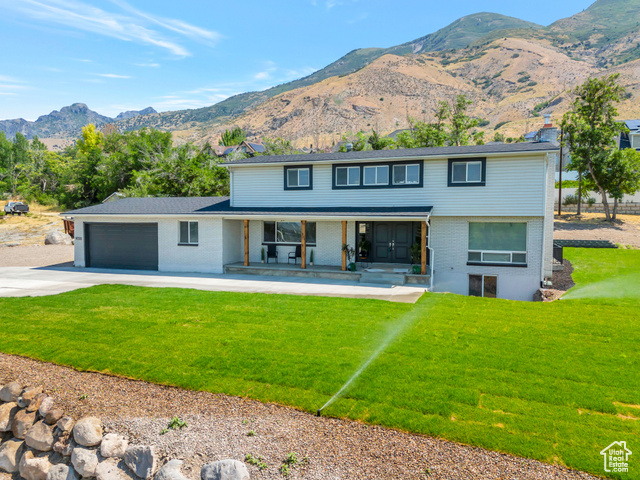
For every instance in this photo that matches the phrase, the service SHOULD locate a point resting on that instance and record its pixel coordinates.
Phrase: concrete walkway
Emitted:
(30, 281)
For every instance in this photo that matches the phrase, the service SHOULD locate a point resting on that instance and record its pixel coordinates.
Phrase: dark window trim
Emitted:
(190, 244)
(451, 183)
(482, 264)
(362, 186)
(297, 167)
(288, 244)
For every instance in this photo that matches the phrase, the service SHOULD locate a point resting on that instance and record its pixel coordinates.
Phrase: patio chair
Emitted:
(295, 255)
(272, 252)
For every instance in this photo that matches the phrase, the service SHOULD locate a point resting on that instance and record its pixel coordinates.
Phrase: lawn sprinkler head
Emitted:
(318, 412)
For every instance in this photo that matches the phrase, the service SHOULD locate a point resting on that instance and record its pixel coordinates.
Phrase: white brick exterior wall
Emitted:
(206, 257)
(450, 241)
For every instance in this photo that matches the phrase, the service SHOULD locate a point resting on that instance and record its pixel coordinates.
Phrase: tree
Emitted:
(592, 130)
(379, 143)
(359, 141)
(498, 137)
(461, 124)
(278, 146)
(233, 137)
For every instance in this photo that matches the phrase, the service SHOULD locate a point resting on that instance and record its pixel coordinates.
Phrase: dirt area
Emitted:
(561, 281)
(36, 256)
(592, 226)
(218, 426)
(30, 229)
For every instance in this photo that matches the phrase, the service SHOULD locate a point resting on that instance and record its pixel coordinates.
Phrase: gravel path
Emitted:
(36, 256)
(218, 426)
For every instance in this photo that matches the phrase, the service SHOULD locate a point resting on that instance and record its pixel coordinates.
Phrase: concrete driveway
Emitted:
(39, 281)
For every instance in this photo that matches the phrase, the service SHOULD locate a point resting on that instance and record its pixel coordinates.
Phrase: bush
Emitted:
(499, 125)
(570, 200)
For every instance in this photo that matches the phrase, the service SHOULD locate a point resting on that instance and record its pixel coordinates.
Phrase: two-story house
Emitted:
(477, 220)
(631, 139)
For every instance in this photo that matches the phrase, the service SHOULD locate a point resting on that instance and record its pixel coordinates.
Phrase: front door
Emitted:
(392, 242)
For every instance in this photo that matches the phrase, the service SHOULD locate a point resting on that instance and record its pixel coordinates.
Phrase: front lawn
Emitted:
(555, 382)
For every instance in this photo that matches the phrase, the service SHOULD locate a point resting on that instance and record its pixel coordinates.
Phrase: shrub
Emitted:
(570, 200)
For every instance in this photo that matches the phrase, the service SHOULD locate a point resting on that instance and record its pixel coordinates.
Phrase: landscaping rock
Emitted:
(10, 454)
(113, 445)
(65, 424)
(57, 238)
(224, 470)
(36, 402)
(34, 468)
(40, 437)
(62, 472)
(141, 460)
(88, 432)
(7, 414)
(112, 469)
(22, 422)
(64, 444)
(53, 416)
(10, 392)
(85, 461)
(28, 395)
(46, 404)
(171, 471)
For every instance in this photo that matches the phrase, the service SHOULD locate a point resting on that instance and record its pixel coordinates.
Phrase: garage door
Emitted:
(122, 245)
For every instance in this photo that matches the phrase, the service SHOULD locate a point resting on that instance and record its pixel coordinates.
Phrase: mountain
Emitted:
(63, 123)
(135, 113)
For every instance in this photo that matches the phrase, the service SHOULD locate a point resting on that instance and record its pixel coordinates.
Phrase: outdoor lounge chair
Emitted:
(295, 255)
(272, 252)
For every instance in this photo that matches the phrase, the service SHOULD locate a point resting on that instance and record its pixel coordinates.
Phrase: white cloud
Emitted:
(150, 65)
(137, 26)
(262, 76)
(111, 75)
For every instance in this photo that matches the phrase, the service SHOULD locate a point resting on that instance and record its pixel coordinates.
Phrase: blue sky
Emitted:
(117, 55)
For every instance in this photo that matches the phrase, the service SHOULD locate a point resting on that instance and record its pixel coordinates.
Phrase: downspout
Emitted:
(544, 220)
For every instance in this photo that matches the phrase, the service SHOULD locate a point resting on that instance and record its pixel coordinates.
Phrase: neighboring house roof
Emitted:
(633, 125)
(531, 135)
(400, 154)
(221, 206)
(113, 196)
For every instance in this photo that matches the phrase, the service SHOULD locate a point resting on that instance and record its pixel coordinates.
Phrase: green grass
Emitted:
(556, 382)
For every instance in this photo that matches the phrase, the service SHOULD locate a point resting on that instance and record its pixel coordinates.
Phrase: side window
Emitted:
(298, 178)
(464, 173)
(483, 286)
(347, 176)
(188, 233)
(406, 174)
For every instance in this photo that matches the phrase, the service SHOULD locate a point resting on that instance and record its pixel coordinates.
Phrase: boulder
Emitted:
(57, 238)
(53, 416)
(113, 445)
(22, 422)
(224, 470)
(88, 432)
(40, 437)
(171, 471)
(7, 414)
(85, 461)
(10, 454)
(10, 392)
(141, 460)
(36, 402)
(112, 469)
(28, 395)
(46, 404)
(65, 424)
(32, 467)
(62, 472)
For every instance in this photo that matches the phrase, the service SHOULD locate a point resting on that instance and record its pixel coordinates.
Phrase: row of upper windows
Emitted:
(388, 175)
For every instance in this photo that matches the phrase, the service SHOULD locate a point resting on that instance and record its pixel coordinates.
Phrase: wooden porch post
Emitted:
(246, 243)
(423, 249)
(303, 249)
(344, 242)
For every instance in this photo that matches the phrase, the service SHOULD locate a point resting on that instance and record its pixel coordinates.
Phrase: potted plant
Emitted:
(348, 249)
(311, 258)
(262, 255)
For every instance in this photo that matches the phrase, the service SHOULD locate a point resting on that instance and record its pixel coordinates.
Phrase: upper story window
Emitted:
(498, 243)
(347, 176)
(299, 177)
(188, 233)
(377, 175)
(471, 172)
(406, 174)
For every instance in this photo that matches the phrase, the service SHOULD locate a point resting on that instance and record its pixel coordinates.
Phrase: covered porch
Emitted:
(387, 245)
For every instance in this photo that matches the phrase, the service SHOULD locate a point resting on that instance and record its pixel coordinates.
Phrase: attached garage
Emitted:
(121, 245)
